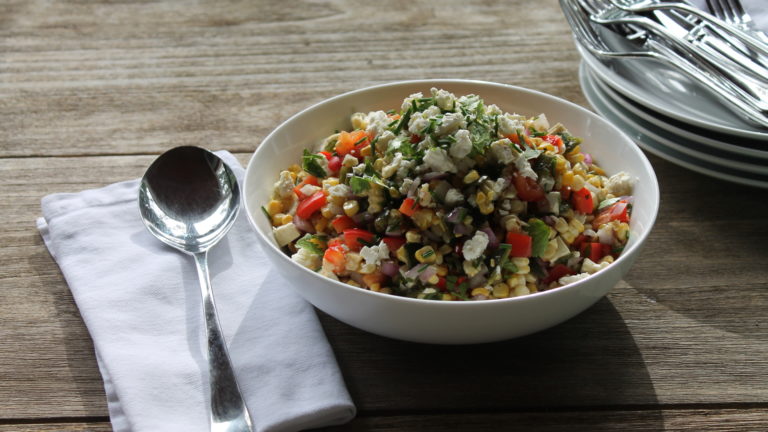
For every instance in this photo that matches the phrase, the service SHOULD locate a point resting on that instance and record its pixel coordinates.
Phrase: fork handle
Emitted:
(753, 42)
(728, 92)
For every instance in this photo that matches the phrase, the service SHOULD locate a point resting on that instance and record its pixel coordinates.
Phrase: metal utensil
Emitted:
(604, 12)
(189, 199)
(732, 12)
(587, 37)
(725, 28)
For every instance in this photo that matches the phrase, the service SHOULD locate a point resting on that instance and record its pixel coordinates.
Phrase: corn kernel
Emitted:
(274, 207)
(423, 218)
(575, 150)
(480, 292)
(516, 280)
(578, 182)
(425, 255)
(559, 164)
(386, 290)
(448, 297)
(522, 265)
(412, 236)
(374, 287)
(433, 280)
(597, 170)
(567, 178)
(501, 290)
(442, 270)
(321, 224)
(287, 219)
(277, 219)
(327, 212)
(378, 164)
(359, 121)
(329, 182)
(471, 177)
(365, 151)
(486, 208)
(402, 255)
(521, 291)
(351, 207)
(607, 258)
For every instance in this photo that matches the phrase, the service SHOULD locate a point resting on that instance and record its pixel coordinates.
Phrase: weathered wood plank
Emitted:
(118, 77)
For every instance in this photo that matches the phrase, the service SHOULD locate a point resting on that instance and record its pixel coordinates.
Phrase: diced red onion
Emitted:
(477, 280)
(587, 158)
(493, 241)
(628, 198)
(389, 268)
(550, 220)
(363, 217)
(433, 176)
(427, 273)
(303, 224)
(414, 187)
(462, 229)
(453, 215)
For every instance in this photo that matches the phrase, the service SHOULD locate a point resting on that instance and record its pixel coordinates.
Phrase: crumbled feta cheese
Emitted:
(499, 185)
(444, 99)
(285, 234)
(463, 144)
(307, 258)
(451, 123)
(561, 251)
(349, 161)
(404, 170)
(540, 123)
(418, 123)
(453, 197)
(493, 110)
(377, 122)
(524, 167)
(425, 196)
(340, 190)
(284, 185)
(309, 189)
(475, 246)
(438, 160)
(619, 184)
(565, 280)
(384, 139)
(374, 254)
(391, 168)
(509, 125)
(407, 101)
(503, 152)
(359, 169)
(589, 266)
(406, 186)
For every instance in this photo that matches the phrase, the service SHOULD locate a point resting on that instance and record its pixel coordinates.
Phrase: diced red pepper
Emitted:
(309, 206)
(343, 222)
(409, 207)
(356, 238)
(515, 138)
(415, 139)
(337, 257)
(393, 243)
(527, 188)
(349, 142)
(441, 283)
(308, 180)
(555, 140)
(619, 211)
(556, 272)
(522, 244)
(578, 241)
(595, 251)
(582, 201)
(565, 192)
(327, 155)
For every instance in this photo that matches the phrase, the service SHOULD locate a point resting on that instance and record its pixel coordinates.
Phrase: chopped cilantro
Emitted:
(310, 163)
(359, 184)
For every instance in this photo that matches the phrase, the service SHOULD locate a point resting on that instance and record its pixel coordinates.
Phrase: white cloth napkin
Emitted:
(141, 303)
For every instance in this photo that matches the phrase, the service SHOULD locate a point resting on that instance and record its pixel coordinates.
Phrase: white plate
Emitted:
(668, 92)
(652, 145)
(756, 149)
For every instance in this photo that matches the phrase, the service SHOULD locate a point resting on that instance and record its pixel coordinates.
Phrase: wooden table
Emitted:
(91, 92)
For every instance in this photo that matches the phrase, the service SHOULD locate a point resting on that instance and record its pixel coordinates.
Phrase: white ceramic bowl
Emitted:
(441, 322)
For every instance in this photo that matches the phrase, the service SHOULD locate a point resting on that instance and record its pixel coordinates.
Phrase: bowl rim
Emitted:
(626, 254)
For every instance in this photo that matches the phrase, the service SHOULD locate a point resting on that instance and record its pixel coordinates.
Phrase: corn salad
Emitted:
(448, 198)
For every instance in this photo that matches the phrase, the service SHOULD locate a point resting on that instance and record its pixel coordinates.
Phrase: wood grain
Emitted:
(91, 91)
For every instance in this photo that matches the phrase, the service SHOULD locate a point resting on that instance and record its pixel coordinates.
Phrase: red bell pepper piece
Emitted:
(522, 244)
(309, 206)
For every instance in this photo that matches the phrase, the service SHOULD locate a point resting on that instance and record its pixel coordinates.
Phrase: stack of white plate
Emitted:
(671, 117)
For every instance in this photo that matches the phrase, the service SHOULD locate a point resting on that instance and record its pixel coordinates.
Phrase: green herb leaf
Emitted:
(307, 243)
(539, 231)
(359, 184)
(310, 162)
(266, 213)
(607, 203)
(530, 153)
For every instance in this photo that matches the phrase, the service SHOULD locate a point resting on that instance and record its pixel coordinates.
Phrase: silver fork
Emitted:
(725, 29)
(604, 12)
(588, 38)
(732, 12)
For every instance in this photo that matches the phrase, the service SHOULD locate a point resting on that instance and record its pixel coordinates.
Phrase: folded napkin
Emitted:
(140, 300)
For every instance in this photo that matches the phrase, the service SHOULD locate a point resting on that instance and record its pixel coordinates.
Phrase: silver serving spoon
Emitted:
(189, 199)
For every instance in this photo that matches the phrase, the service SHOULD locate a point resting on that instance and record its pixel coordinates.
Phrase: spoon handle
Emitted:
(228, 411)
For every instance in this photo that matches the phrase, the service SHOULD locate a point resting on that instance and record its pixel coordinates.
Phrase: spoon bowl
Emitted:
(189, 198)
